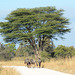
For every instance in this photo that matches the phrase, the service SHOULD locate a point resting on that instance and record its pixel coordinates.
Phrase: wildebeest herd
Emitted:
(32, 63)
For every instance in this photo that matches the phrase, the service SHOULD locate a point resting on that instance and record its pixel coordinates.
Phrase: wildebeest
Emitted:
(39, 62)
(27, 61)
(32, 62)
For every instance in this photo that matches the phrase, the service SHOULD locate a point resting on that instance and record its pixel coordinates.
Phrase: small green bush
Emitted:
(45, 56)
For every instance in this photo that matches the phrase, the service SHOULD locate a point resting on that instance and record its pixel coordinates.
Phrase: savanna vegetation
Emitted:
(35, 29)
(8, 71)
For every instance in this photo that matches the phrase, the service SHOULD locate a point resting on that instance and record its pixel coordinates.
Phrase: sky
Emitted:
(7, 6)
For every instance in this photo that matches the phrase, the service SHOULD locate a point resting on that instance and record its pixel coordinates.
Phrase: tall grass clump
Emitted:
(63, 65)
(8, 71)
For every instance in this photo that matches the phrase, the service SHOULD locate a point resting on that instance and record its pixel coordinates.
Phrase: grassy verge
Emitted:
(12, 63)
(8, 71)
(67, 65)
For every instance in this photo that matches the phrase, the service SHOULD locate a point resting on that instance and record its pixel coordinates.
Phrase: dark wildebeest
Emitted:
(39, 62)
(27, 61)
(32, 62)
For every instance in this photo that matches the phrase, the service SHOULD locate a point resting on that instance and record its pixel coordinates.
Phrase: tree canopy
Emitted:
(34, 25)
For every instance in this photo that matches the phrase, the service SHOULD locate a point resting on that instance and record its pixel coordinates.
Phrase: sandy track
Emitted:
(36, 71)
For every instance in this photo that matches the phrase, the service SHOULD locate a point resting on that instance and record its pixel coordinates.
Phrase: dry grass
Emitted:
(8, 71)
(12, 63)
(67, 65)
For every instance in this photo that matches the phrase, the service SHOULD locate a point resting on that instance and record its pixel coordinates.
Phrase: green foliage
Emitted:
(63, 51)
(29, 50)
(25, 24)
(45, 54)
(10, 51)
(7, 51)
(19, 51)
(34, 26)
(24, 51)
(2, 51)
(72, 50)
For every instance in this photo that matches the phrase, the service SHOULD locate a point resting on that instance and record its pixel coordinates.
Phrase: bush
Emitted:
(63, 51)
(45, 56)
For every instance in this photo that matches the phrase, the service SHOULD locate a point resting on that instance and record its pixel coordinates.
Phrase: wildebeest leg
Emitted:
(28, 65)
(39, 65)
(36, 64)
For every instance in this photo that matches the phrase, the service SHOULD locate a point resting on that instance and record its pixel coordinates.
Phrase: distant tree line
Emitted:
(9, 51)
(64, 52)
(60, 51)
(50, 51)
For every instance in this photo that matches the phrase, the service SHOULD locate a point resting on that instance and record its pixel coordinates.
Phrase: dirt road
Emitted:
(36, 71)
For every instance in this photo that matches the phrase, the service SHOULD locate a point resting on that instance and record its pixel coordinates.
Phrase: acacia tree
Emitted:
(34, 25)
